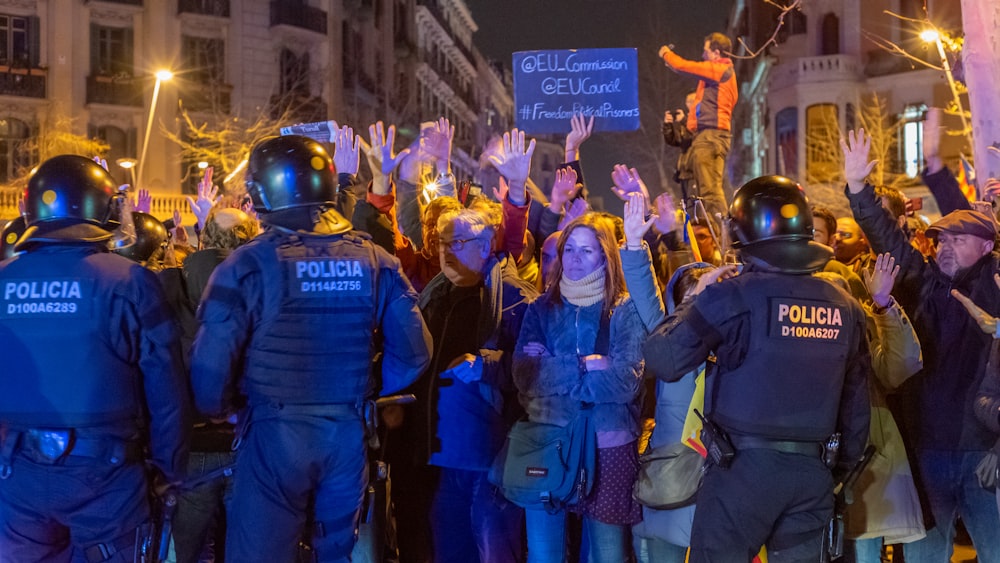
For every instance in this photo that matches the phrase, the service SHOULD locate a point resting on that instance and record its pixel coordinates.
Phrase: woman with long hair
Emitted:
(581, 343)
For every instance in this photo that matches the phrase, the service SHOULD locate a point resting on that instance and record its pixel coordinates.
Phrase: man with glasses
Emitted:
(473, 309)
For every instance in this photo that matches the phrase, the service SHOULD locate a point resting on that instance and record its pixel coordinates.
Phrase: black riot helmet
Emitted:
(288, 172)
(11, 234)
(150, 236)
(69, 198)
(770, 222)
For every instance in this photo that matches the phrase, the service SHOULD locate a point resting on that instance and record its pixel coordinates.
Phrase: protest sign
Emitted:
(550, 86)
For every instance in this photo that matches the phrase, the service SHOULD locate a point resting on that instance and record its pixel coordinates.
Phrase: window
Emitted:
(911, 139)
(786, 131)
(19, 38)
(294, 74)
(204, 59)
(110, 50)
(14, 156)
(822, 143)
(831, 35)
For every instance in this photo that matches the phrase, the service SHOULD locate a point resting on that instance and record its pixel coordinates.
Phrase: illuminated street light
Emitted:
(202, 165)
(129, 165)
(931, 35)
(161, 76)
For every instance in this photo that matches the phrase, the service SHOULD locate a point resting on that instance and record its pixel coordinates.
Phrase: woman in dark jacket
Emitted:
(581, 342)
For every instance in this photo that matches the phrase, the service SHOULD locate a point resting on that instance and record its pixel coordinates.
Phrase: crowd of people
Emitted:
(838, 374)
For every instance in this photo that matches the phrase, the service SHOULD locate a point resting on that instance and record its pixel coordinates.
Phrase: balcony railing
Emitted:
(217, 8)
(298, 15)
(435, 10)
(29, 83)
(114, 90)
(827, 68)
(207, 97)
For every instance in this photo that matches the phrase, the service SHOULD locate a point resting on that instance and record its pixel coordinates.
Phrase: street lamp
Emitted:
(931, 35)
(129, 165)
(161, 76)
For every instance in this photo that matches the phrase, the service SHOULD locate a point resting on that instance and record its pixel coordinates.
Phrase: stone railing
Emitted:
(162, 206)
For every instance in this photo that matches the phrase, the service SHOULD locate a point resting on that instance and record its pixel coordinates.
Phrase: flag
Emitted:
(966, 178)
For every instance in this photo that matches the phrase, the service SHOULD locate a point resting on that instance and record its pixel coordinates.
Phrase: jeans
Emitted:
(949, 480)
(472, 521)
(654, 550)
(606, 543)
(201, 511)
(708, 159)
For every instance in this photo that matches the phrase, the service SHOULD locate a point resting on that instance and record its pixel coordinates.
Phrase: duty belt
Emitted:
(811, 449)
(52, 446)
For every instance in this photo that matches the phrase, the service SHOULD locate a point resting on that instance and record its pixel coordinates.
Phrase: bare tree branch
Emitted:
(773, 39)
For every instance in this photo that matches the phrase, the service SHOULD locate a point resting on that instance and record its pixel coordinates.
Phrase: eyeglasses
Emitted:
(456, 245)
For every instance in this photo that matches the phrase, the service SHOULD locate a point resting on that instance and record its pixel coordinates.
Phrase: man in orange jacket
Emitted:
(710, 122)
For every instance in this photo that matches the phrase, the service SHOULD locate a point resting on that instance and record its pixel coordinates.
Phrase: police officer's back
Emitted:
(792, 363)
(92, 377)
(289, 325)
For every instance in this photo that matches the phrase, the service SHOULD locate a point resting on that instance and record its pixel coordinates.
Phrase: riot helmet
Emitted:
(69, 198)
(770, 222)
(11, 234)
(288, 172)
(150, 236)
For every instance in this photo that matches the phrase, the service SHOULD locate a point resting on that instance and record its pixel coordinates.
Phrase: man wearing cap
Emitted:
(938, 420)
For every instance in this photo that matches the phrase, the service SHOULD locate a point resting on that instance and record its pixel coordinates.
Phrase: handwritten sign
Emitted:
(550, 86)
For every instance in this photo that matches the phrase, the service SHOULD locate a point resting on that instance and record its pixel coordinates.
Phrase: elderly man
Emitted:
(473, 309)
(947, 439)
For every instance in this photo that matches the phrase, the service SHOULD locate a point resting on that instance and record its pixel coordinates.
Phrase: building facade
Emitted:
(88, 68)
(827, 73)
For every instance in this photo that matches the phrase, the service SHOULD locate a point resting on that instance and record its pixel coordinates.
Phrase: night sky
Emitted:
(506, 26)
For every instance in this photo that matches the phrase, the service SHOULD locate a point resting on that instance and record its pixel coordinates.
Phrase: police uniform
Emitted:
(792, 368)
(92, 377)
(289, 324)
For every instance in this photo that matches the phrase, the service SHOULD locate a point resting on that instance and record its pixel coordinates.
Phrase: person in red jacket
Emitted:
(710, 121)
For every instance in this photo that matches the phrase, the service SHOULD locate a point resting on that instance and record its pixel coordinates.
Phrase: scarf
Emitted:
(584, 292)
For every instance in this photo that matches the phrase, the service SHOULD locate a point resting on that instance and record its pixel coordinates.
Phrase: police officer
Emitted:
(11, 234)
(150, 241)
(792, 367)
(290, 323)
(92, 377)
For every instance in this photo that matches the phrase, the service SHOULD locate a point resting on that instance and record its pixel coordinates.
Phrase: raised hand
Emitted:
(380, 156)
(437, 141)
(564, 188)
(573, 210)
(987, 323)
(636, 224)
(627, 181)
(101, 162)
(881, 278)
(500, 192)
(991, 189)
(180, 234)
(208, 196)
(580, 130)
(513, 160)
(665, 219)
(857, 167)
(144, 201)
(346, 151)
